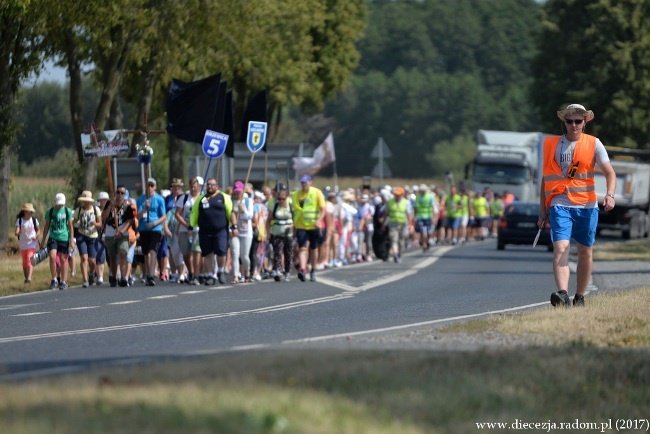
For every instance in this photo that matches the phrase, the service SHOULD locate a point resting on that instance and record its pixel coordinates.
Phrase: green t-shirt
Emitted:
(58, 218)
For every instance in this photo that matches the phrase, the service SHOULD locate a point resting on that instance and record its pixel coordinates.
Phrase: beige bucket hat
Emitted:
(576, 109)
(86, 196)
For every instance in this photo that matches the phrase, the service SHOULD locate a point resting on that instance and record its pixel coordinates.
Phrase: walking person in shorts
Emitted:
(568, 198)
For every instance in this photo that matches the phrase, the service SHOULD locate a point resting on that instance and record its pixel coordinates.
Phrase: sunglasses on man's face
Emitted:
(151, 185)
(574, 121)
(120, 192)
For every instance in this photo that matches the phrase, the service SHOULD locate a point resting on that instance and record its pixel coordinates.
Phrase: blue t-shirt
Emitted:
(155, 211)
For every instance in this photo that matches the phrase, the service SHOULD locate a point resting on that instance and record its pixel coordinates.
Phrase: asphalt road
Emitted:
(61, 331)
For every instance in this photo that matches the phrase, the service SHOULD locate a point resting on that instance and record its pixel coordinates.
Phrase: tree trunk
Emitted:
(146, 97)
(112, 70)
(5, 174)
(76, 104)
(176, 160)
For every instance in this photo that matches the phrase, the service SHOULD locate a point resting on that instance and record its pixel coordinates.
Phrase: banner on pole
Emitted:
(256, 136)
(214, 144)
(105, 144)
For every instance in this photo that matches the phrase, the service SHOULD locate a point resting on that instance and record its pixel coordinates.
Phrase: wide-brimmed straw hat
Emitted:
(28, 207)
(576, 109)
(86, 196)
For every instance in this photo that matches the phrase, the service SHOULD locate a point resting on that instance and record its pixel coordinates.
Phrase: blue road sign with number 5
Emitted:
(214, 144)
(256, 135)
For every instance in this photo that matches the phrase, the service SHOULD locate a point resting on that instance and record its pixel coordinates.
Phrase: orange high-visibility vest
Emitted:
(581, 189)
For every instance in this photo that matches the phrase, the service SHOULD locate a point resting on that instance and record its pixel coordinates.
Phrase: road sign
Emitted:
(256, 136)
(214, 144)
(382, 170)
(381, 150)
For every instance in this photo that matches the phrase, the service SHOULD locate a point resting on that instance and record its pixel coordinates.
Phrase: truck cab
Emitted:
(507, 161)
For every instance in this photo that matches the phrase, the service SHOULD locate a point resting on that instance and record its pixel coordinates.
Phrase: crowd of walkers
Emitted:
(204, 234)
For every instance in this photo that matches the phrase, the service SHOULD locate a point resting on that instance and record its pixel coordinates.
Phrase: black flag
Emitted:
(256, 110)
(192, 107)
(228, 127)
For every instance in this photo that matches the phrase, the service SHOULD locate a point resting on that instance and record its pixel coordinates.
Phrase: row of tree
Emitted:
(433, 72)
(302, 51)
(430, 73)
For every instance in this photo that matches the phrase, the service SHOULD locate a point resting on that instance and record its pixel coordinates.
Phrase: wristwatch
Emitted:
(610, 195)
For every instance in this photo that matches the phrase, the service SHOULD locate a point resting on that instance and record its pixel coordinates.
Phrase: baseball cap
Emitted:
(59, 199)
(152, 181)
(238, 186)
(305, 178)
(199, 180)
(103, 195)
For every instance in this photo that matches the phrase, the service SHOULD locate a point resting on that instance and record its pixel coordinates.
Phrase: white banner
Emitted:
(105, 144)
(324, 155)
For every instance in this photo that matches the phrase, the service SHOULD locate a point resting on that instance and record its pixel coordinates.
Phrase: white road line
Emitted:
(335, 284)
(193, 292)
(387, 279)
(17, 306)
(31, 314)
(125, 302)
(82, 308)
(169, 321)
(162, 297)
(411, 325)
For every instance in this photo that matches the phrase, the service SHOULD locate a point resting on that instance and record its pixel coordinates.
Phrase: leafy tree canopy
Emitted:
(433, 72)
(596, 54)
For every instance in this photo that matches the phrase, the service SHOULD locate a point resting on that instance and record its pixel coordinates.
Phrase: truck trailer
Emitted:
(631, 213)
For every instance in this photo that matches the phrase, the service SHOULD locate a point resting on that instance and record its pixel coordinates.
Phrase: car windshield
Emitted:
(527, 209)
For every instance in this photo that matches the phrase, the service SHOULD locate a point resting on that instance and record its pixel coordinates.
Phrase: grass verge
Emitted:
(338, 392)
(614, 320)
(631, 250)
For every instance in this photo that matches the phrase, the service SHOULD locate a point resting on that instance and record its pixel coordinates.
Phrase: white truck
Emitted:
(630, 215)
(507, 161)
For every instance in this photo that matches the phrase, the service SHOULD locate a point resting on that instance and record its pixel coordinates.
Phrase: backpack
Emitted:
(275, 208)
(78, 213)
(33, 222)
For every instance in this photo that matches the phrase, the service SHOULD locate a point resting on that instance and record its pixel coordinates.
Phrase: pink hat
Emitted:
(238, 186)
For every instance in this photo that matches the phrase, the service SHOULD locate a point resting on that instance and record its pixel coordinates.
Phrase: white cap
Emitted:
(59, 199)
(199, 180)
(103, 195)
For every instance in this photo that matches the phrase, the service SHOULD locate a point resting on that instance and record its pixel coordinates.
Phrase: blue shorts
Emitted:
(163, 249)
(312, 236)
(101, 253)
(577, 223)
(130, 254)
(453, 222)
(423, 226)
(215, 242)
(87, 246)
